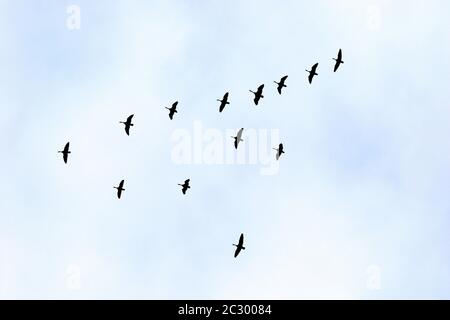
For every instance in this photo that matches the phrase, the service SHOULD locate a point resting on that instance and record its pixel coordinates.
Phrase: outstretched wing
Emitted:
(129, 118)
(241, 240)
(310, 77)
(340, 55)
(283, 79)
(236, 252)
(121, 184)
(225, 97)
(66, 147)
(239, 134)
(260, 89)
(174, 105)
(186, 182)
(127, 129)
(65, 154)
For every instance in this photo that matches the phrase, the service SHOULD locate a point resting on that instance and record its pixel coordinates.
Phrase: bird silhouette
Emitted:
(128, 124)
(238, 138)
(312, 73)
(239, 246)
(65, 152)
(281, 84)
(338, 60)
(280, 151)
(185, 186)
(172, 110)
(120, 189)
(223, 102)
(258, 94)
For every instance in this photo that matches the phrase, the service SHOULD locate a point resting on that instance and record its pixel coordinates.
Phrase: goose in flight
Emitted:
(312, 73)
(338, 60)
(128, 124)
(258, 94)
(185, 186)
(65, 152)
(239, 246)
(223, 102)
(172, 110)
(238, 138)
(281, 84)
(280, 151)
(120, 189)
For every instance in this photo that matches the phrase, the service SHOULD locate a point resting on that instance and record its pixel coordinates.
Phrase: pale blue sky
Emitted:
(364, 181)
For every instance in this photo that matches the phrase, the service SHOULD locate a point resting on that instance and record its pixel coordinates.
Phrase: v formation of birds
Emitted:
(258, 95)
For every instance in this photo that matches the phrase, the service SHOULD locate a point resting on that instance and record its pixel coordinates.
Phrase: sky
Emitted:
(357, 208)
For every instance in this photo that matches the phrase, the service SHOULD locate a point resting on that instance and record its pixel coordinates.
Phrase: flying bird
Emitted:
(281, 84)
(172, 110)
(238, 138)
(312, 73)
(185, 186)
(120, 189)
(258, 94)
(128, 124)
(338, 60)
(280, 151)
(65, 152)
(223, 102)
(239, 246)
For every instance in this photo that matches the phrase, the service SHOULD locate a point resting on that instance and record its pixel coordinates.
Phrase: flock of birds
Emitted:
(238, 138)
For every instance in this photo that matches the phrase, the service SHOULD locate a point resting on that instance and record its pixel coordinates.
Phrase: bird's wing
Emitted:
(66, 147)
(121, 184)
(225, 97)
(260, 88)
(236, 252)
(283, 79)
(65, 157)
(239, 134)
(187, 181)
(314, 67)
(336, 66)
(174, 105)
(310, 77)
(340, 55)
(241, 239)
(129, 118)
(127, 129)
